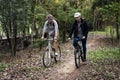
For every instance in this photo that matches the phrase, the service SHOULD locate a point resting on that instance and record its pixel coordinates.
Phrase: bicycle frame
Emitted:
(49, 39)
(50, 53)
(78, 53)
(49, 47)
(80, 45)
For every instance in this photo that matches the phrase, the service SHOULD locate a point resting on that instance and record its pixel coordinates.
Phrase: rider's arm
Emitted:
(44, 29)
(56, 28)
(85, 32)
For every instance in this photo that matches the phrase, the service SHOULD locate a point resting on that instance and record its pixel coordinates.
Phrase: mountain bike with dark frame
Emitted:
(78, 54)
(49, 53)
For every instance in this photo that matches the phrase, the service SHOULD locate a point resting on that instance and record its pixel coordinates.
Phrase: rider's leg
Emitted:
(84, 48)
(75, 42)
(56, 46)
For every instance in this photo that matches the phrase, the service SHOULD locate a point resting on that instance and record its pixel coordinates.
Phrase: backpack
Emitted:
(54, 26)
(53, 23)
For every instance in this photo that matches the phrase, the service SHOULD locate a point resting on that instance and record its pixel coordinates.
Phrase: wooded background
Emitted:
(22, 20)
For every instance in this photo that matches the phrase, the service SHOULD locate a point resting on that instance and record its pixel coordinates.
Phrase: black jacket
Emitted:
(74, 29)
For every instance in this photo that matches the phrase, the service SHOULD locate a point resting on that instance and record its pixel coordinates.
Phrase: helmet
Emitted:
(77, 14)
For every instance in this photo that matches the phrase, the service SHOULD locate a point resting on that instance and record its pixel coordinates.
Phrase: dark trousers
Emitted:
(75, 43)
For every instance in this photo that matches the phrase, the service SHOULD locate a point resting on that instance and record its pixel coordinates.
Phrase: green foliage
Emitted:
(110, 11)
(105, 55)
(62, 10)
(38, 43)
(97, 32)
(107, 11)
(14, 9)
(3, 66)
(110, 31)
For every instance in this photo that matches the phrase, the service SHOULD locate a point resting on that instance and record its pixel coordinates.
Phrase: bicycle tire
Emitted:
(77, 58)
(47, 58)
(81, 55)
(57, 58)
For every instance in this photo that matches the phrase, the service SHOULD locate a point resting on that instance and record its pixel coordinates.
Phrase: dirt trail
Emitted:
(31, 68)
(66, 70)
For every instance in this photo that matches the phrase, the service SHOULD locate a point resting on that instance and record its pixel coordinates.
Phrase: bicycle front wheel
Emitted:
(77, 58)
(47, 58)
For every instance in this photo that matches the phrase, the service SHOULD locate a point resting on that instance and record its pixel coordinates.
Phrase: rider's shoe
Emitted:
(56, 54)
(82, 58)
(84, 61)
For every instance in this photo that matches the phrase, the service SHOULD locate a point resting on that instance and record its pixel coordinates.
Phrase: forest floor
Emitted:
(27, 65)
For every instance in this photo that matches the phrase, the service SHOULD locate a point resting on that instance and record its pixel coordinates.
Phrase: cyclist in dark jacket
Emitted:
(80, 30)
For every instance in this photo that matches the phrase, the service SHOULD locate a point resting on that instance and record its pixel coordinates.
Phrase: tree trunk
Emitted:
(35, 31)
(117, 27)
(76, 4)
(64, 25)
(7, 34)
(14, 37)
(94, 21)
(64, 33)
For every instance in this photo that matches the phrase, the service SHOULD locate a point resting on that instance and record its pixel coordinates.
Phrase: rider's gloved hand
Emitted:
(55, 39)
(42, 37)
(69, 38)
(83, 37)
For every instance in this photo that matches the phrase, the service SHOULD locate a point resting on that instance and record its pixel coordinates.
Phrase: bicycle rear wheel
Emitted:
(57, 58)
(77, 58)
(47, 58)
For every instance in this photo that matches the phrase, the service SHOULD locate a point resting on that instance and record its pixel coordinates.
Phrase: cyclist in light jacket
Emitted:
(51, 27)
